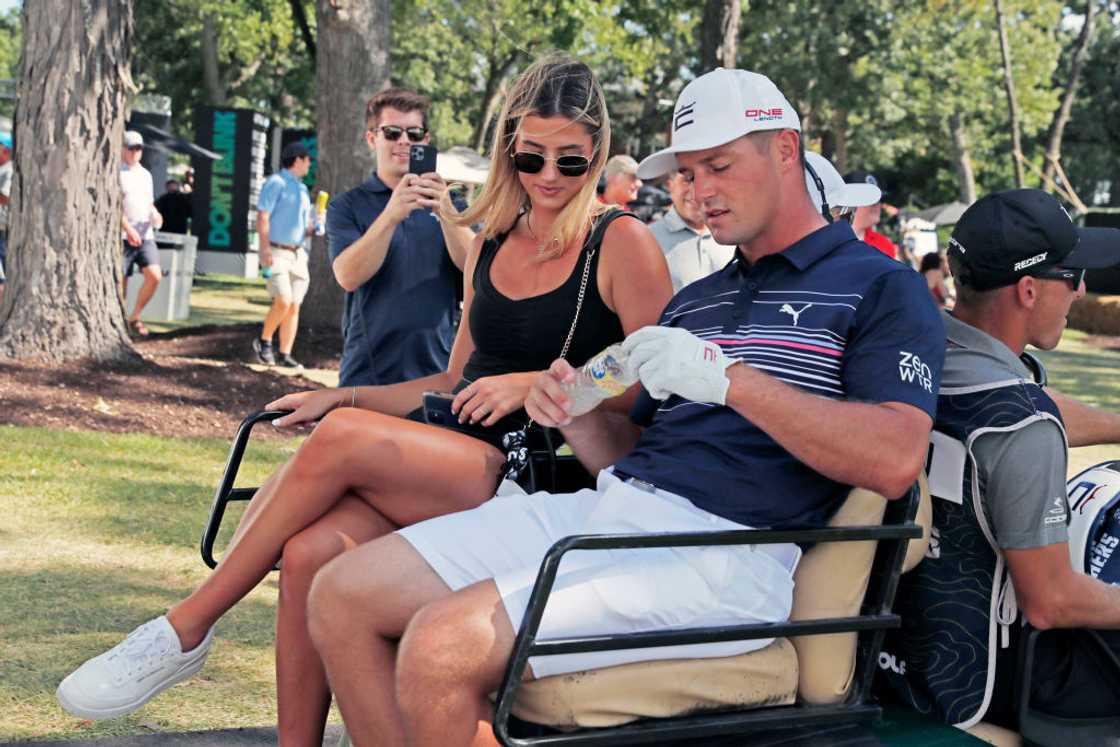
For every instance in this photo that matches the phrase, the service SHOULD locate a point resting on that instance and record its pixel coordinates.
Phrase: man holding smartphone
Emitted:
(400, 265)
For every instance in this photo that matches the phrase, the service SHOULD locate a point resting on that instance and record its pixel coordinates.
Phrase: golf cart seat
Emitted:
(817, 670)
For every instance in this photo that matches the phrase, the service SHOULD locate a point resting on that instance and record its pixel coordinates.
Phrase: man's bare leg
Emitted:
(288, 327)
(152, 276)
(276, 313)
(407, 471)
(453, 654)
(360, 604)
(302, 694)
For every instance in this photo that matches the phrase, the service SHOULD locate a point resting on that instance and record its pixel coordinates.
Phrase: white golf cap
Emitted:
(837, 192)
(719, 107)
(132, 138)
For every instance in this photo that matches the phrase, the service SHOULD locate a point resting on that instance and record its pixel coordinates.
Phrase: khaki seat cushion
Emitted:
(617, 695)
(996, 735)
(831, 581)
(659, 689)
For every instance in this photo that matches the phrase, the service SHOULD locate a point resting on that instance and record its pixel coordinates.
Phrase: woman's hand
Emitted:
(308, 407)
(491, 398)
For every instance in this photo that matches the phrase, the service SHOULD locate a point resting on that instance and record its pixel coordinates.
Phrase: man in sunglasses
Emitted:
(138, 224)
(998, 466)
(400, 265)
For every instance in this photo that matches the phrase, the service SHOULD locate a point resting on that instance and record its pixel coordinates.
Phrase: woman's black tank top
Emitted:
(527, 335)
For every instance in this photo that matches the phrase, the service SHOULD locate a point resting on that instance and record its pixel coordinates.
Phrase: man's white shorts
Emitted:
(607, 592)
(290, 275)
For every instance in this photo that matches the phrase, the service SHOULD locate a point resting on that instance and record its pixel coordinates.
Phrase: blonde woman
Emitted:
(367, 468)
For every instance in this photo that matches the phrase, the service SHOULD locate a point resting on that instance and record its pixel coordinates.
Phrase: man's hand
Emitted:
(132, 236)
(432, 187)
(308, 407)
(266, 255)
(411, 193)
(157, 219)
(547, 402)
(671, 360)
(491, 398)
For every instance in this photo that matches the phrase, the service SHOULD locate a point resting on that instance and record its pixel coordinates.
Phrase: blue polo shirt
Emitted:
(288, 204)
(830, 315)
(399, 324)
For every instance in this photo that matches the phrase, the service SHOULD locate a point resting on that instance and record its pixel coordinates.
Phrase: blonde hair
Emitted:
(556, 85)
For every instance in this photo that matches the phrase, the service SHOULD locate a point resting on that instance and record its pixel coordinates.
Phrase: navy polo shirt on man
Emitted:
(399, 324)
(830, 315)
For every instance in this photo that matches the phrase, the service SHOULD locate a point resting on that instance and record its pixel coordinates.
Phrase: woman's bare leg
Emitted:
(407, 471)
(303, 696)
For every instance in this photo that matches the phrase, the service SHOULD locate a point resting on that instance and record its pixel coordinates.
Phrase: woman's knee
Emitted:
(305, 553)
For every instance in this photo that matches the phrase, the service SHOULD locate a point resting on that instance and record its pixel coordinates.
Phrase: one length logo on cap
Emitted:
(683, 117)
(765, 115)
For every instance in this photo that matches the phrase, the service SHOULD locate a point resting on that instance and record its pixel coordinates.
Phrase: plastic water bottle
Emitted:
(606, 375)
(321, 212)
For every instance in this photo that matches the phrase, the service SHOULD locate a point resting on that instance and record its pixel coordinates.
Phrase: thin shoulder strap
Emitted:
(595, 239)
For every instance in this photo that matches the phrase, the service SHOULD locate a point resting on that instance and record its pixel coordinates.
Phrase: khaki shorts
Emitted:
(290, 276)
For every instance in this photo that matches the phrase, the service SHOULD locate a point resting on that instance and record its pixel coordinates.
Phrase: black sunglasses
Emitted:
(1074, 276)
(532, 163)
(393, 133)
(134, 147)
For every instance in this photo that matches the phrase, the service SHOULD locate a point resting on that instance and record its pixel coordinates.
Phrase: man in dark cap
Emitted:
(997, 469)
(283, 223)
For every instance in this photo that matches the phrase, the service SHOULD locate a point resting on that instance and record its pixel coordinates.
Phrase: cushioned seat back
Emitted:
(831, 581)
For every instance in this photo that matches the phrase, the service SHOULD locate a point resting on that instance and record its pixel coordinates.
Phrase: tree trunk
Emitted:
(719, 34)
(1061, 116)
(840, 139)
(962, 160)
(495, 84)
(64, 259)
(211, 76)
(1012, 103)
(351, 65)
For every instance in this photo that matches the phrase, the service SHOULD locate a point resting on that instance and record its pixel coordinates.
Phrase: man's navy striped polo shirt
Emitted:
(830, 315)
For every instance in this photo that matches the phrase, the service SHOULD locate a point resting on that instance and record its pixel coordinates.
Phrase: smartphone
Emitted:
(422, 158)
(437, 409)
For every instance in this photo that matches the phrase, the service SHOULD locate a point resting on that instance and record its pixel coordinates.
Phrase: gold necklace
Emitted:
(542, 246)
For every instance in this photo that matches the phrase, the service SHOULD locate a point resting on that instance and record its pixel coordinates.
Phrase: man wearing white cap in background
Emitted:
(622, 184)
(138, 226)
(770, 388)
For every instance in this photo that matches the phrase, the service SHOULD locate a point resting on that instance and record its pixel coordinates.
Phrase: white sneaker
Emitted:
(128, 675)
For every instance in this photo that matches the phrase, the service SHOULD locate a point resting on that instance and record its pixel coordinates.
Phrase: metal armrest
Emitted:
(226, 492)
(878, 618)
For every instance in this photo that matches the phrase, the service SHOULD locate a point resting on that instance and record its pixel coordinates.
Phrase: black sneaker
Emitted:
(264, 351)
(287, 361)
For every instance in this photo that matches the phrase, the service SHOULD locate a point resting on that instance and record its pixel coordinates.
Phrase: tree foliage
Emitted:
(888, 85)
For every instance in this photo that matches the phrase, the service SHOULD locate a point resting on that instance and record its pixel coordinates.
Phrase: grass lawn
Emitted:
(101, 533)
(222, 299)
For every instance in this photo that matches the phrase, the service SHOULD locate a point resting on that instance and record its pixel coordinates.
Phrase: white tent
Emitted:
(461, 164)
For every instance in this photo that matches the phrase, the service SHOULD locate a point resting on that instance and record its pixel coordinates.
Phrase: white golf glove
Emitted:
(671, 360)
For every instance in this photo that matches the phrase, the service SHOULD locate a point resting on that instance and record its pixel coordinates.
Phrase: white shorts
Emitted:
(609, 592)
(290, 275)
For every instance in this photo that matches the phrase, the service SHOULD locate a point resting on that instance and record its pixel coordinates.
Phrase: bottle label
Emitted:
(606, 372)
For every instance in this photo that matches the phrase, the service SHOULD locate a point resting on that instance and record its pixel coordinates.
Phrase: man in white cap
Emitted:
(138, 226)
(771, 387)
(622, 184)
(834, 198)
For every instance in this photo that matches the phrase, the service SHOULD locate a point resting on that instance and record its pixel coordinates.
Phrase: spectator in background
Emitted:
(935, 269)
(401, 266)
(188, 182)
(5, 192)
(283, 222)
(175, 207)
(138, 226)
(689, 248)
(866, 218)
(622, 182)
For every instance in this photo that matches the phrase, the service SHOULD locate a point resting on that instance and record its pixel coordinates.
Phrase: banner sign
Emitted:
(226, 190)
